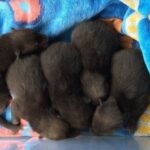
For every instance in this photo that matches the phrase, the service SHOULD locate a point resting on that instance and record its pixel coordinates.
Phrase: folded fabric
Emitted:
(56, 17)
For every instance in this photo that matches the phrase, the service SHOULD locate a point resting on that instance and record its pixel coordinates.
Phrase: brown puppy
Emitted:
(94, 86)
(107, 118)
(97, 43)
(130, 85)
(62, 67)
(21, 42)
(28, 88)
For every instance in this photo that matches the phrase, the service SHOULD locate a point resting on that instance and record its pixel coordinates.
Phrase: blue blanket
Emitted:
(57, 17)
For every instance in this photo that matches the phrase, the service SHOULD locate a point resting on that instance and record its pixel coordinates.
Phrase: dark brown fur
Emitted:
(107, 118)
(94, 86)
(28, 88)
(62, 67)
(74, 110)
(130, 85)
(97, 43)
(21, 41)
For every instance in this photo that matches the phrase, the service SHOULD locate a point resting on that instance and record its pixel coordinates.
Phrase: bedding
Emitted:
(56, 19)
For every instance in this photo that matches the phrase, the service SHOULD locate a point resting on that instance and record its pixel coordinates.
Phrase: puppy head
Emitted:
(107, 118)
(95, 34)
(54, 128)
(92, 39)
(94, 86)
(27, 41)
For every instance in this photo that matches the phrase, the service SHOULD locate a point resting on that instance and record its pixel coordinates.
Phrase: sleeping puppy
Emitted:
(62, 67)
(31, 102)
(130, 85)
(107, 118)
(94, 86)
(20, 42)
(97, 43)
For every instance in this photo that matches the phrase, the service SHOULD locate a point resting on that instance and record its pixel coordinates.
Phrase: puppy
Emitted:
(97, 43)
(94, 86)
(107, 118)
(31, 102)
(23, 41)
(62, 67)
(130, 85)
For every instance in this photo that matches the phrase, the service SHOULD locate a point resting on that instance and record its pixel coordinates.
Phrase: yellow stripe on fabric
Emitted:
(132, 24)
(131, 3)
(143, 123)
(145, 118)
(145, 130)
